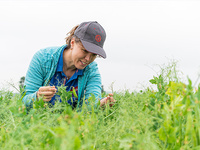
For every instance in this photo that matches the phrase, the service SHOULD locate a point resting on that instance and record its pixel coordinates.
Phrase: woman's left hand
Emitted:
(109, 99)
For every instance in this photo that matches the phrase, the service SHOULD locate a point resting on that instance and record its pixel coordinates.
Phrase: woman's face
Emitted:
(80, 56)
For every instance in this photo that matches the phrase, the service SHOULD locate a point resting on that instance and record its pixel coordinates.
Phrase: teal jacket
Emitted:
(42, 68)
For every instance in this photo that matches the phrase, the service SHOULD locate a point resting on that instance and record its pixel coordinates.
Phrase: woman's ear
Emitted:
(72, 43)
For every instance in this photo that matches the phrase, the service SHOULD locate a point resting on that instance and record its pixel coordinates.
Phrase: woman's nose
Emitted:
(88, 56)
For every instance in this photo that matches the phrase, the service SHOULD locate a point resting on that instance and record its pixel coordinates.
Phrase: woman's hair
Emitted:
(71, 35)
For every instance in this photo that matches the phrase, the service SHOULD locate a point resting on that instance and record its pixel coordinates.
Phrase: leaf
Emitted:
(126, 140)
(154, 80)
(162, 134)
(77, 143)
(189, 123)
(74, 92)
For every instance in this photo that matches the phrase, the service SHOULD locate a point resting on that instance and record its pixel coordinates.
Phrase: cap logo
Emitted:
(98, 38)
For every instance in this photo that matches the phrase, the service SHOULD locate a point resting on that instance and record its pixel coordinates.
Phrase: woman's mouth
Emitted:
(83, 63)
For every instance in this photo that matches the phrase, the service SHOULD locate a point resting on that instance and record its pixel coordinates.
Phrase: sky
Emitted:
(141, 35)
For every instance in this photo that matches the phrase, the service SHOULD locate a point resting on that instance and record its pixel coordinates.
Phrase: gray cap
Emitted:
(92, 36)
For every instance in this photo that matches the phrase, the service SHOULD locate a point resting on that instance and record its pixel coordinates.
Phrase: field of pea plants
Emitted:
(163, 118)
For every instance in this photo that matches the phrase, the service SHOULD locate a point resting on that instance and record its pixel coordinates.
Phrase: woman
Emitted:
(71, 65)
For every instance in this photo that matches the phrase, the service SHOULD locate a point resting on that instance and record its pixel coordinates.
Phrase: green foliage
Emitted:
(21, 84)
(165, 118)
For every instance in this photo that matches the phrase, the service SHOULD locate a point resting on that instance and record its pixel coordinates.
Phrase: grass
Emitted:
(165, 118)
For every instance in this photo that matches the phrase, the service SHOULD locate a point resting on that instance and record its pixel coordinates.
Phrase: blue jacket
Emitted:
(42, 68)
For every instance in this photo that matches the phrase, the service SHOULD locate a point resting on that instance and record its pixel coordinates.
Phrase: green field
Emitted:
(167, 117)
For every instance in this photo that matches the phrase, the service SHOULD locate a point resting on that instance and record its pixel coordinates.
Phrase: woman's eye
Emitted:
(84, 50)
(94, 55)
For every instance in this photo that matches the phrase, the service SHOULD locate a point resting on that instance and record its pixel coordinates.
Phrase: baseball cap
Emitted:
(92, 36)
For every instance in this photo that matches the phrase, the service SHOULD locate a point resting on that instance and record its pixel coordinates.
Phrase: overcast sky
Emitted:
(140, 35)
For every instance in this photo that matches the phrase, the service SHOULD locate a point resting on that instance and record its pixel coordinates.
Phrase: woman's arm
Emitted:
(93, 86)
(34, 79)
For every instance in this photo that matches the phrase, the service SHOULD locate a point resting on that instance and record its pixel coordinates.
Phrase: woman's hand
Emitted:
(109, 99)
(46, 92)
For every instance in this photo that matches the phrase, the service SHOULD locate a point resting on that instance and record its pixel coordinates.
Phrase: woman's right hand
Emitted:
(109, 99)
(46, 92)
